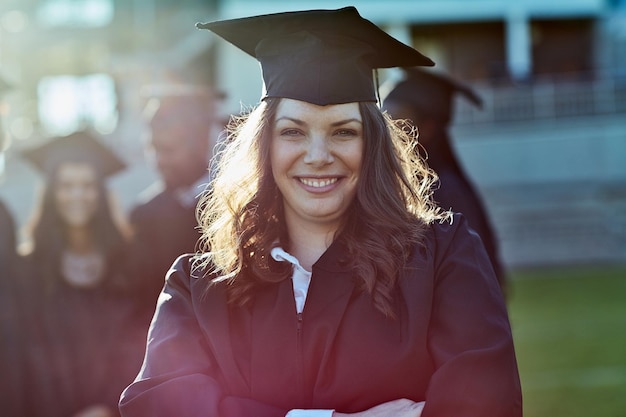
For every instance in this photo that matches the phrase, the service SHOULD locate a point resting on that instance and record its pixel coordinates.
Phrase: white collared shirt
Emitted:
(301, 278)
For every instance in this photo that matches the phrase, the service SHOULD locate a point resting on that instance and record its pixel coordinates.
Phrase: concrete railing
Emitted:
(544, 100)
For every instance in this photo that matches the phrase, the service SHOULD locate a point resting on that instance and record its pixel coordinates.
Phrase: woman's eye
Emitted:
(346, 132)
(290, 132)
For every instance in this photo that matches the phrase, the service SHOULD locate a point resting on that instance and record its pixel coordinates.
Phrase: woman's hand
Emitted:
(395, 408)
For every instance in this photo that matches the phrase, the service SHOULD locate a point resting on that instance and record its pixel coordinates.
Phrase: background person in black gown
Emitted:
(83, 344)
(182, 135)
(426, 98)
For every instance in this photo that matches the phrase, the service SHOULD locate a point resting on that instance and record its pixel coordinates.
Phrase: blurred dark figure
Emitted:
(12, 359)
(7, 237)
(181, 140)
(83, 345)
(426, 98)
(7, 226)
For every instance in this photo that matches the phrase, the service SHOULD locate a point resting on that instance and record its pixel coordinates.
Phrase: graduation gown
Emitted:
(164, 229)
(84, 347)
(457, 193)
(450, 345)
(13, 326)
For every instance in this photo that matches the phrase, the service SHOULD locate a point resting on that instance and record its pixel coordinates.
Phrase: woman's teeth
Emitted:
(318, 183)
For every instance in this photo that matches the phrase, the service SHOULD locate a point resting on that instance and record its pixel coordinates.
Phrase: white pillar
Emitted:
(518, 44)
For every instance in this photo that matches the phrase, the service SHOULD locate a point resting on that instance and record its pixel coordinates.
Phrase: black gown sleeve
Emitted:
(469, 336)
(180, 376)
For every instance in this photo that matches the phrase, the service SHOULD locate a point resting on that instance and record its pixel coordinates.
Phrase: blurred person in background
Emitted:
(181, 139)
(330, 283)
(12, 359)
(426, 99)
(7, 225)
(82, 344)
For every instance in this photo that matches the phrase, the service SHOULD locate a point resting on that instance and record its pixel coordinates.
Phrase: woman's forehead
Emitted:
(76, 168)
(302, 110)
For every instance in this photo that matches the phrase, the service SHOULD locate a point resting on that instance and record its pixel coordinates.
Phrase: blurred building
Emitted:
(546, 151)
(83, 62)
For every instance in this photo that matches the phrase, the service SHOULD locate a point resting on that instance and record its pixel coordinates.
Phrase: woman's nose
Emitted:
(318, 151)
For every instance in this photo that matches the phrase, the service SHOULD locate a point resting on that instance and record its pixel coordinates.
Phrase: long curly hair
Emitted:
(242, 218)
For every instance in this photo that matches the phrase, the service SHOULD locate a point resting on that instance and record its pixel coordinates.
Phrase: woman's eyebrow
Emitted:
(291, 119)
(344, 122)
(334, 124)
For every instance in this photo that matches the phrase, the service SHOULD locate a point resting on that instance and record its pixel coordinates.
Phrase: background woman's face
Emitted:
(76, 193)
(316, 154)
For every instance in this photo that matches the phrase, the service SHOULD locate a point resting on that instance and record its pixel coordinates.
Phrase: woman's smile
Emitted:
(318, 184)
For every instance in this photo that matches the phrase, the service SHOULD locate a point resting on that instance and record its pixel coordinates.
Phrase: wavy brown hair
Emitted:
(242, 218)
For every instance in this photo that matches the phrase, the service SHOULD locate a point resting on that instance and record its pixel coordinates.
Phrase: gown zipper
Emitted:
(300, 360)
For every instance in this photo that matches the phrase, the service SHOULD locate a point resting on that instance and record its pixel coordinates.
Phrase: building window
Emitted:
(469, 51)
(563, 49)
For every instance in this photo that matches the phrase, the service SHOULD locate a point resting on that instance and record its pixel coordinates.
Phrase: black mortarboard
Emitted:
(430, 93)
(318, 56)
(77, 147)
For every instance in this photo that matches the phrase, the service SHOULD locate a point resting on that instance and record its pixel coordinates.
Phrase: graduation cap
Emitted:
(430, 93)
(77, 147)
(318, 56)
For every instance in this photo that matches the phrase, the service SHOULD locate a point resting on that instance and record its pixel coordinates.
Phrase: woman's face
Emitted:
(76, 193)
(316, 154)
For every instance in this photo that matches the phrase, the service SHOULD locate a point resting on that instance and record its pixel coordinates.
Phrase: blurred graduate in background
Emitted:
(82, 343)
(182, 135)
(426, 98)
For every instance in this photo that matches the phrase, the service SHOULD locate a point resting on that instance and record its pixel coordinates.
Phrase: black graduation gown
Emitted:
(450, 346)
(457, 193)
(12, 324)
(163, 230)
(84, 347)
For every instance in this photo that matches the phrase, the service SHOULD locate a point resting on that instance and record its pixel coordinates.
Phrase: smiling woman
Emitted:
(331, 284)
(80, 348)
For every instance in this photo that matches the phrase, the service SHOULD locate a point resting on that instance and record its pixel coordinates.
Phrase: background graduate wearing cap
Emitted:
(426, 98)
(180, 141)
(332, 285)
(82, 345)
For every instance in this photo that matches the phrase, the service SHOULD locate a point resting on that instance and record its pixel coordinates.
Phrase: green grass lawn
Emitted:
(569, 326)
